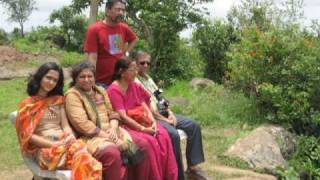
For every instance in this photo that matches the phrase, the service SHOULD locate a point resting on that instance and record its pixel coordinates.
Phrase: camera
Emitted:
(162, 104)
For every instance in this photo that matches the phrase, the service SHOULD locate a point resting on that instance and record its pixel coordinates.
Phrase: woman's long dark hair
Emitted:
(76, 70)
(121, 66)
(34, 83)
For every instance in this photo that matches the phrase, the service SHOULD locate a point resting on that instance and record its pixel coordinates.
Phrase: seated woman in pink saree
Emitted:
(43, 129)
(132, 102)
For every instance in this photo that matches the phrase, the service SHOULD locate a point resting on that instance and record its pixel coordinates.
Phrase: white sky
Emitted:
(218, 9)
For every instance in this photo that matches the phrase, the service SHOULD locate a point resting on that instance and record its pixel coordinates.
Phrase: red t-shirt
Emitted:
(109, 43)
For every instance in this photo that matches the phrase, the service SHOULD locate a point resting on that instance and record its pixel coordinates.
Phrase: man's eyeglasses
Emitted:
(144, 62)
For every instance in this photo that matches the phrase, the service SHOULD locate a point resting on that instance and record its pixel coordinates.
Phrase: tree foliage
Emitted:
(19, 11)
(213, 41)
(80, 5)
(282, 67)
(261, 13)
(3, 37)
(73, 26)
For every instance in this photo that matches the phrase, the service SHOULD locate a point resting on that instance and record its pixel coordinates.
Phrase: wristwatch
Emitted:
(127, 53)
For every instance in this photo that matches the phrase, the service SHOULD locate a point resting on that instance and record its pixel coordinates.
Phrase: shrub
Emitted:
(24, 45)
(73, 27)
(49, 34)
(281, 68)
(306, 159)
(213, 41)
(183, 62)
(3, 37)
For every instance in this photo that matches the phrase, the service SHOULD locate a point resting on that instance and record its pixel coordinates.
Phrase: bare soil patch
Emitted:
(17, 64)
(16, 174)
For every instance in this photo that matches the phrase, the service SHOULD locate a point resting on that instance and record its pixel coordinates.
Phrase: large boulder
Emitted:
(266, 147)
(200, 83)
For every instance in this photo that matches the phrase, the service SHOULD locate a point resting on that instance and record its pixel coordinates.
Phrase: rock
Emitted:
(200, 83)
(284, 138)
(180, 101)
(265, 148)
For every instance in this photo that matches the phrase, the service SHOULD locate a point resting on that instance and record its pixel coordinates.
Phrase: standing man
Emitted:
(194, 151)
(109, 40)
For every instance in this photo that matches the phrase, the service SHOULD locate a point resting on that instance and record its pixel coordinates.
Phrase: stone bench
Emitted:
(38, 173)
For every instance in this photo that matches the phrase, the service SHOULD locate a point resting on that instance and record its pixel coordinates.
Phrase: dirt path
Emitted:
(240, 174)
(222, 173)
(19, 173)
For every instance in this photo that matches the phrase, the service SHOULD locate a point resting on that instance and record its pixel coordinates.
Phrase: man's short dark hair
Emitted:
(110, 3)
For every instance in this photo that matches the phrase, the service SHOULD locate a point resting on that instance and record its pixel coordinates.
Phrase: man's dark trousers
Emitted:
(194, 151)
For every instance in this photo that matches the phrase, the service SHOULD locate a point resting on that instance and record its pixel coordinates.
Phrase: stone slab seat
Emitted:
(58, 174)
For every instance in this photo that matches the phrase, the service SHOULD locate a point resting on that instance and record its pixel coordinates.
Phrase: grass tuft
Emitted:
(215, 105)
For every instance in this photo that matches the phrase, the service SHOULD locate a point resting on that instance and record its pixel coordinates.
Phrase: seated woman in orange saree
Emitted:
(43, 129)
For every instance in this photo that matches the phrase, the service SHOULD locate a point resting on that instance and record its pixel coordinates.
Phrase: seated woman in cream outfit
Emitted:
(91, 115)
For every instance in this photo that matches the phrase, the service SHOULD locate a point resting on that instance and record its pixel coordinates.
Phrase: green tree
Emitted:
(73, 26)
(253, 12)
(19, 11)
(293, 11)
(79, 5)
(281, 66)
(315, 27)
(213, 41)
(3, 37)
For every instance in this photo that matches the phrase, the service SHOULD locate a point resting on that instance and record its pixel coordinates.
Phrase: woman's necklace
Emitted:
(123, 86)
(92, 94)
(52, 112)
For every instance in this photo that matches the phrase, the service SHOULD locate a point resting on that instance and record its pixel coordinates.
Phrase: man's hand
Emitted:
(172, 119)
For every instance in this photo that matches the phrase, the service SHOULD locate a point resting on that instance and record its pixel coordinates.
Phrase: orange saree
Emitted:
(71, 155)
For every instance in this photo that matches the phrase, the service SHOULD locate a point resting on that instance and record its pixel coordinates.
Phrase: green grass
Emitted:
(226, 116)
(217, 140)
(65, 58)
(71, 58)
(10, 157)
(215, 105)
(12, 92)
(23, 45)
